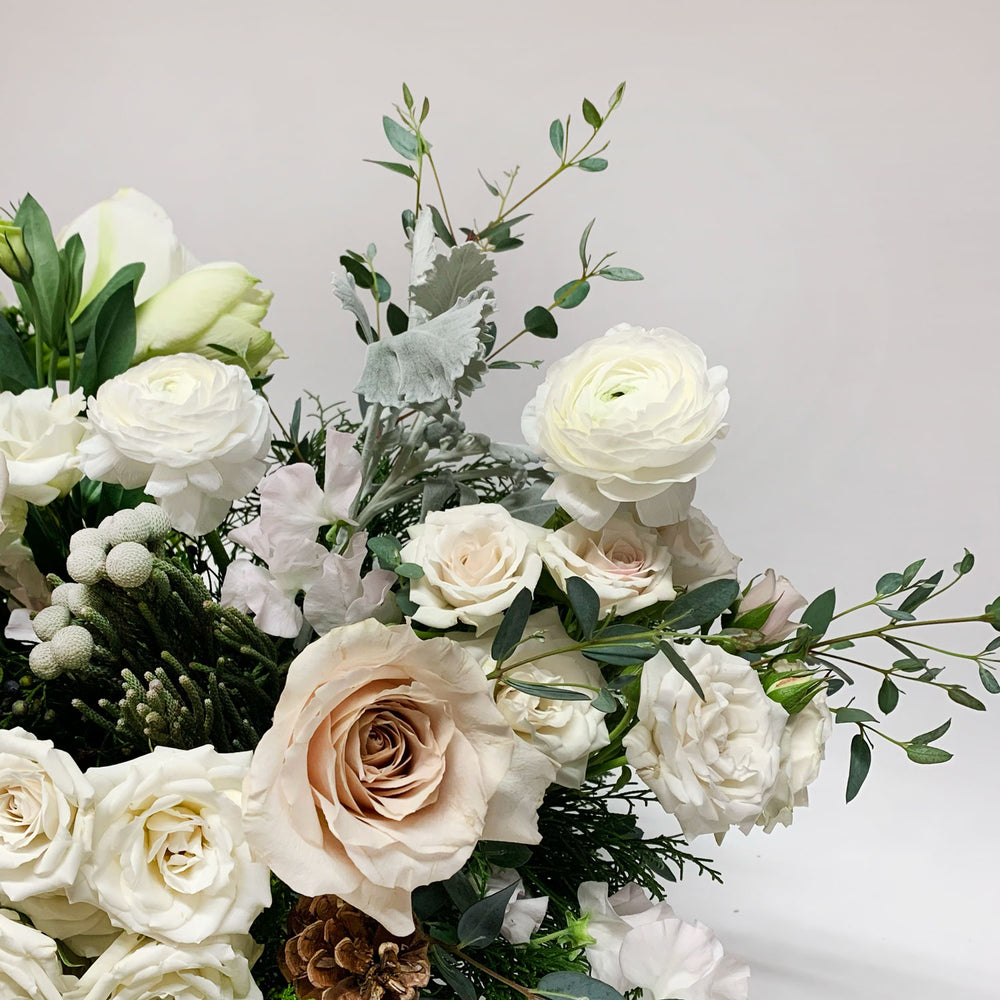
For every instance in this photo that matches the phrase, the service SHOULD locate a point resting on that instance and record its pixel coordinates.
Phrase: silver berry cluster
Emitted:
(117, 550)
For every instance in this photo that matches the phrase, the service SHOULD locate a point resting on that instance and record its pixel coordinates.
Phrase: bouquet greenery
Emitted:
(365, 704)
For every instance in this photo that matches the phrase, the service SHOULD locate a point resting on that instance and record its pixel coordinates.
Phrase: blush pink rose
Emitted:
(386, 763)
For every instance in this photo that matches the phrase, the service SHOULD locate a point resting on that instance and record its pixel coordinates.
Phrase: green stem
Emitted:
(492, 973)
(37, 325)
(894, 625)
(71, 348)
(444, 205)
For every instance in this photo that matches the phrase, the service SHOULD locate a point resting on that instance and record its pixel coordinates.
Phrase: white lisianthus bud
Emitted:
(15, 261)
(49, 620)
(768, 605)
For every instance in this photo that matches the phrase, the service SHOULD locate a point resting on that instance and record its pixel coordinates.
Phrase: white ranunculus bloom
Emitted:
(183, 306)
(523, 914)
(46, 816)
(711, 763)
(639, 944)
(803, 745)
(567, 732)
(386, 764)
(778, 591)
(83, 927)
(190, 431)
(630, 417)
(136, 968)
(29, 963)
(39, 438)
(476, 560)
(170, 859)
(698, 553)
(625, 562)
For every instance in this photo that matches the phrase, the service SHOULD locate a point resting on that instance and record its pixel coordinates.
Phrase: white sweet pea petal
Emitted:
(341, 596)
(251, 588)
(523, 914)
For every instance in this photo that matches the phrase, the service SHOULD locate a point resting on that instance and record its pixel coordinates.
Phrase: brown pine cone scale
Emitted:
(336, 952)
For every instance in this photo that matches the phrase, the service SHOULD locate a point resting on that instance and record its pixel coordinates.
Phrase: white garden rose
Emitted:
(628, 418)
(698, 553)
(46, 816)
(29, 963)
(476, 559)
(639, 944)
(183, 306)
(170, 859)
(710, 762)
(190, 431)
(567, 732)
(784, 600)
(39, 438)
(386, 763)
(84, 928)
(136, 968)
(625, 562)
(803, 746)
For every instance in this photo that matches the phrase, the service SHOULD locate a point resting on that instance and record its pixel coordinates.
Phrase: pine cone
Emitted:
(336, 952)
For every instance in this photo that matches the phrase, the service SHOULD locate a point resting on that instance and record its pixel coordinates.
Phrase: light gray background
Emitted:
(811, 189)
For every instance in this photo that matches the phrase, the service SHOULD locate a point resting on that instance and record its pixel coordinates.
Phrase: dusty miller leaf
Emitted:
(345, 289)
(454, 275)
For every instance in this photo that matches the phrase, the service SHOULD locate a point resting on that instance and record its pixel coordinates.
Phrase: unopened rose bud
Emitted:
(792, 691)
(15, 261)
(767, 607)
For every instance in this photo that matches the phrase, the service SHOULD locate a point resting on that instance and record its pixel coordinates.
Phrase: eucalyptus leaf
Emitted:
(410, 570)
(820, 612)
(541, 323)
(512, 626)
(989, 680)
(583, 243)
(920, 753)
(620, 274)
(889, 584)
(847, 715)
(571, 294)
(965, 564)
(921, 592)
(861, 762)
(386, 550)
(551, 691)
(702, 605)
(557, 137)
(480, 924)
(680, 665)
(585, 603)
(593, 164)
(591, 115)
(888, 695)
(575, 986)
(934, 734)
(962, 697)
(605, 701)
(896, 614)
(401, 139)
(397, 168)
(911, 571)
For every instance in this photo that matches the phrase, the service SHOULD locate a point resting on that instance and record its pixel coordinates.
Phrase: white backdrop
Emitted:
(811, 189)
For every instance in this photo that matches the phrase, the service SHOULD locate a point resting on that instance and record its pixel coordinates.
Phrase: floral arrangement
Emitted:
(364, 704)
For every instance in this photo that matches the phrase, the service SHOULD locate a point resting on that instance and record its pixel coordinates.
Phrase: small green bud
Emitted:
(792, 691)
(15, 261)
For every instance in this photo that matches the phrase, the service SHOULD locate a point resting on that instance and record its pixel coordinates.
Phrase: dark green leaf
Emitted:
(408, 220)
(920, 753)
(410, 570)
(910, 664)
(427, 900)
(383, 291)
(680, 665)
(989, 680)
(442, 231)
(575, 986)
(505, 855)
(583, 243)
(512, 627)
(911, 571)
(508, 243)
(619, 274)
(557, 136)
(453, 975)
(397, 319)
(934, 734)
(293, 427)
(702, 605)
(401, 139)
(921, 592)
(492, 188)
(585, 603)
(48, 277)
(889, 584)
(397, 168)
(74, 256)
(361, 273)
(111, 346)
(845, 715)
(992, 645)
(571, 294)
(962, 697)
(819, 614)
(540, 322)
(16, 371)
(425, 109)
(861, 762)
(594, 164)
(895, 614)
(555, 693)
(480, 924)
(756, 618)
(965, 564)
(591, 115)
(386, 550)
(605, 701)
(888, 696)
